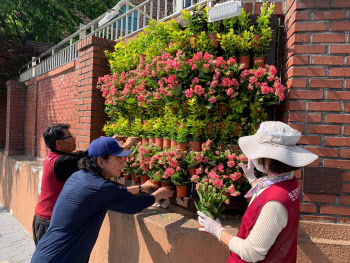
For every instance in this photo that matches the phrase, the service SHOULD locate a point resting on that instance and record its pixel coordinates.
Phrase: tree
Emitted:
(39, 20)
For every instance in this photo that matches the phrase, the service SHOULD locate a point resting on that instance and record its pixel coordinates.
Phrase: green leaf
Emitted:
(178, 90)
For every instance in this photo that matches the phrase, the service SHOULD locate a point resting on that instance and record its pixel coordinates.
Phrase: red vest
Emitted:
(285, 247)
(51, 187)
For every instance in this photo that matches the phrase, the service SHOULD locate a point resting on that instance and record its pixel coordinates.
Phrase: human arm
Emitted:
(130, 141)
(144, 187)
(67, 164)
(271, 221)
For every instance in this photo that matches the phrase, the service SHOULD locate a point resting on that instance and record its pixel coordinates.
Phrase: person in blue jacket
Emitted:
(85, 198)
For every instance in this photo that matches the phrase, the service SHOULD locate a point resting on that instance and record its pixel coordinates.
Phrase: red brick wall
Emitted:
(3, 103)
(316, 71)
(15, 118)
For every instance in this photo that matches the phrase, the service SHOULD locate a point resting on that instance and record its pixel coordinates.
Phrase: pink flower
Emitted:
(221, 167)
(199, 90)
(212, 100)
(189, 93)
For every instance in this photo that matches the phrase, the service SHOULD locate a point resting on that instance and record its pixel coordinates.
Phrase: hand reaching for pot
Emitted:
(130, 141)
(147, 185)
(163, 193)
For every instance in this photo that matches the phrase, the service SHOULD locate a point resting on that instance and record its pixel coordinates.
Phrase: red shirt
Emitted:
(51, 187)
(285, 247)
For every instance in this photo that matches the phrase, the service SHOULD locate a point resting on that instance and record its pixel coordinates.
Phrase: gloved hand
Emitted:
(249, 171)
(212, 226)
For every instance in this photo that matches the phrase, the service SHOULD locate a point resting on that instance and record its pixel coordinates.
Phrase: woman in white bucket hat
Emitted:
(269, 228)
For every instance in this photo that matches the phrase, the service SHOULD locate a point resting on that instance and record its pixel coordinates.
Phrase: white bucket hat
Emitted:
(276, 140)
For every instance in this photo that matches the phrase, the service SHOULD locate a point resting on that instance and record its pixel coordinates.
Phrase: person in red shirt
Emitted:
(269, 228)
(59, 165)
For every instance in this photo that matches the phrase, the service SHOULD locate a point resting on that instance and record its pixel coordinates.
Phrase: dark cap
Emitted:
(106, 145)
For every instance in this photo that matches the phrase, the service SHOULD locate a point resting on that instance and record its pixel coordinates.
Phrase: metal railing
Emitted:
(124, 25)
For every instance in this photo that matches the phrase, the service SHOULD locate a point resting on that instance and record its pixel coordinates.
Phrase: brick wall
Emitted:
(3, 103)
(316, 71)
(15, 118)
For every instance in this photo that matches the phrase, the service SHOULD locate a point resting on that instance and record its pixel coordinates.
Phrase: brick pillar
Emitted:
(316, 73)
(91, 64)
(3, 104)
(15, 116)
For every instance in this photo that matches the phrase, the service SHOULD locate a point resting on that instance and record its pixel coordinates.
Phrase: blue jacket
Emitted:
(78, 215)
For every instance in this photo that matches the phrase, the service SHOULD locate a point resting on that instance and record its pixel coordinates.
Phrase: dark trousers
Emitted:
(40, 226)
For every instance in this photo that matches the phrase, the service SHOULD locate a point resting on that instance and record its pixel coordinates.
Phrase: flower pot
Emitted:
(215, 40)
(193, 40)
(182, 146)
(157, 183)
(142, 58)
(260, 62)
(144, 178)
(145, 141)
(167, 183)
(166, 143)
(159, 142)
(221, 126)
(152, 140)
(223, 109)
(210, 128)
(139, 139)
(235, 147)
(255, 42)
(228, 196)
(126, 176)
(238, 129)
(134, 178)
(221, 145)
(181, 190)
(244, 60)
(173, 143)
(196, 146)
(192, 171)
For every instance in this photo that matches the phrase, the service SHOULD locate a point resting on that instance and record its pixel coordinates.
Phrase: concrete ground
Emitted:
(16, 244)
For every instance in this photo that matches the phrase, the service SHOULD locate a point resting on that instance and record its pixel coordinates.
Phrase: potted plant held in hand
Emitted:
(181, 180)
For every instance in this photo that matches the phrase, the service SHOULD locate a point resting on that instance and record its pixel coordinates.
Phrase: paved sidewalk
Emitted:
(16, 244)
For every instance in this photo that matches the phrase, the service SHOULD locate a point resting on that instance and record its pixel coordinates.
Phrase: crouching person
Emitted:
(85, 198)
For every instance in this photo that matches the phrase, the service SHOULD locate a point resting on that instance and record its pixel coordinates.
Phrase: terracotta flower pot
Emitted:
(166, 143)
(255, 42)
(142, 58)
(181, 190)
(223, 109)
(193, 40)
(135, 179)
(221, 126)
(144, 178)
(210, 128)
(159, 142)
(215, 40)
(260, 61)
(245, 60)
(126, 176)
(196, 146)
(238, 129)
(182, 146)
(235, 147)
(228, 196)
(157, 183)
(167, 183)
(145, 141)
(192, 171)
(152, 140)
(173, 143)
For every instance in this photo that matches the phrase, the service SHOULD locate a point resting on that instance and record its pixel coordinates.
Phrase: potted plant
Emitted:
(195, 133)
(159, 131)
(213, 32)
(244, 44)
(191, 161)
(229, 43)
(195, 22)
(182, 133)
(181, 180)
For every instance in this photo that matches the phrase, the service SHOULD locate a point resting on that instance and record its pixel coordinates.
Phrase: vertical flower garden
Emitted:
(188, 94)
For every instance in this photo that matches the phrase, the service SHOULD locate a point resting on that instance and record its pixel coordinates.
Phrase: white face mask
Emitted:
(260, 167)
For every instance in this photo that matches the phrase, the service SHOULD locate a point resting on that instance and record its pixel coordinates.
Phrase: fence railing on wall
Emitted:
(131, 21)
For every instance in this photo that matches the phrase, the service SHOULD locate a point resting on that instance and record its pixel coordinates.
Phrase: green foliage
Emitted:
(182, 131)
(210, 202)
(230, 23)
(214, 27)
(196, 21)
(243, 21)
(205, 44)
(244, 43)
(229, 42)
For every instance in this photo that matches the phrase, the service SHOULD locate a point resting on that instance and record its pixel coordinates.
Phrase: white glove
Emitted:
(249, 171)
(212, 226)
